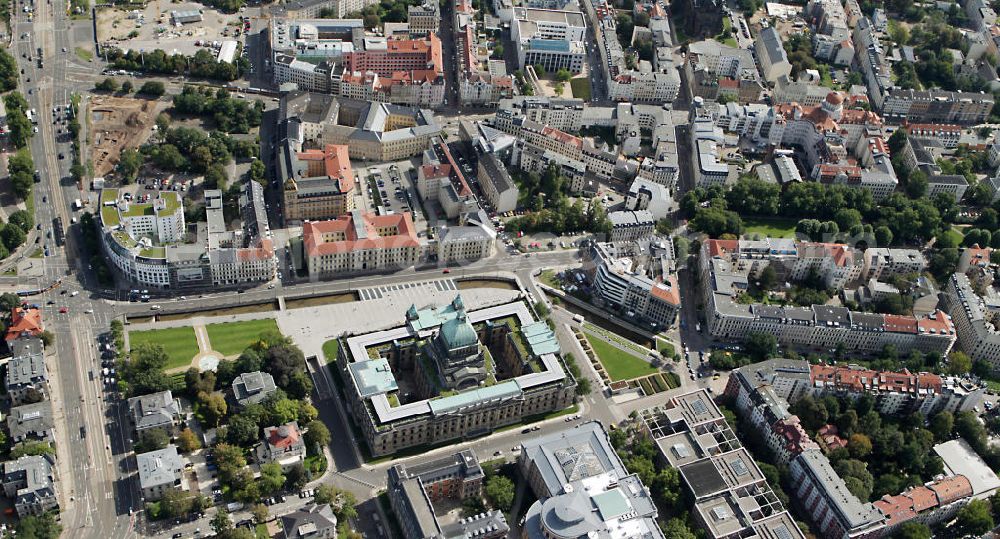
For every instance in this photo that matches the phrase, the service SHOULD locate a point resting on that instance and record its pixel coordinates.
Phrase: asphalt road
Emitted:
(96, 500)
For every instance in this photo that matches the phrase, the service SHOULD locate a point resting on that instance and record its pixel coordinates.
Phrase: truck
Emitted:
(578, 318)
(77, 204)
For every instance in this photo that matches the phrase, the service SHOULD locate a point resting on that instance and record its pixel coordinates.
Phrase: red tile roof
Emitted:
(277, 441)
(940, 324)
(900, 324)
(722, 247)
(24, 321)
(978, 256)
(896, 509)
(336, 164)
(952, 488)
(314, 234)
(668, 292)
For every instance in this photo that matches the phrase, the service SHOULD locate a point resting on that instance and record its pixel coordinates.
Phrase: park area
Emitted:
(179, 343)
(182, 344)
(231, 338)
(619, 364)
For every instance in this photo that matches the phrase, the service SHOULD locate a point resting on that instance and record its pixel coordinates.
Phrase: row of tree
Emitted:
(202, 65)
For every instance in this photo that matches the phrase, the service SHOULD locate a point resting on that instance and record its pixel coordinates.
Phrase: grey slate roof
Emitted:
(253, 387)
(31, 420)
(309, 521)
(154, 410)
(159, 467)
(772, 45)
(27, 367)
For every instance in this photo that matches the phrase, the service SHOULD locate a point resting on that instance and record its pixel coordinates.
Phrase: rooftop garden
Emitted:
(173, 202)
(153, 252)
(109, 216)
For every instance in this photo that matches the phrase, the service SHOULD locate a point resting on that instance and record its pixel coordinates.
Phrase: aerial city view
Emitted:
(489, 269)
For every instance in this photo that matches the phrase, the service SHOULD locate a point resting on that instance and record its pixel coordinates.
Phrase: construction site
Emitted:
(118, 123)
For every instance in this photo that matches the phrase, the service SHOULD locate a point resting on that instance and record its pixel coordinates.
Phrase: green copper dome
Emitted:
(458, 333)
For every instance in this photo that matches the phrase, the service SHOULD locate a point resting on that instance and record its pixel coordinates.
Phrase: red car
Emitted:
(446, 271)
(63, 310)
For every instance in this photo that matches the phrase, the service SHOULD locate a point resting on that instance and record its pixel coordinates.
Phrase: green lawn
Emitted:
(775, 227)
(956, 234)
(666, 349)
(232, 338)
(581, 88)
(330, 349)
(179, 343)
(84, 54)
(619, 365)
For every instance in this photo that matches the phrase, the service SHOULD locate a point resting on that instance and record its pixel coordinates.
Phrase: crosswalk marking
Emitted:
(412, 290)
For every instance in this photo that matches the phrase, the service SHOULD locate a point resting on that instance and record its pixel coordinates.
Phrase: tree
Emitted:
(768, 278)
(257, 172)
(500, 492)
(127, 87)
(324, 494)
(12, 237)
(8, 301)
(675, 528)
(212, 407)
(761, 346)
(913, 530)
(271, 478)
(296, 477)
(975, 518)
(539, 70)
(129, 164)
(812, 413)
(959, 363)
(107, 85)
(152, 440)
(230, 460)
(316, 435)
(563, 75)
(175, 502)
(283, 359)
(241, 430)
(259, 512)
(857, 477)
(883, 236)
(859, 445)
(941, 424)
(187, 441)
(221, 522)
(42, 526)
(8, 71)
(153, 88)
(299, 386)
(215, 177)
(21, 219)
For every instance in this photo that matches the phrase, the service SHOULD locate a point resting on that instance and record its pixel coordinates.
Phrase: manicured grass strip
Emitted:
(647, 388)
(232, 338)
(660, 384)
(664, 348)
(581, 88)
(619, 365)
(774, 227)
(631, 345)
(84, 54)
(330, 349)
(179, 343)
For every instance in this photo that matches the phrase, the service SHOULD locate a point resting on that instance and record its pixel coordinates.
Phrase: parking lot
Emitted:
(392, 187)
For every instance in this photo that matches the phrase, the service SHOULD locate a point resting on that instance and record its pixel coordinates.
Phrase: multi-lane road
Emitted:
(95, 501)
